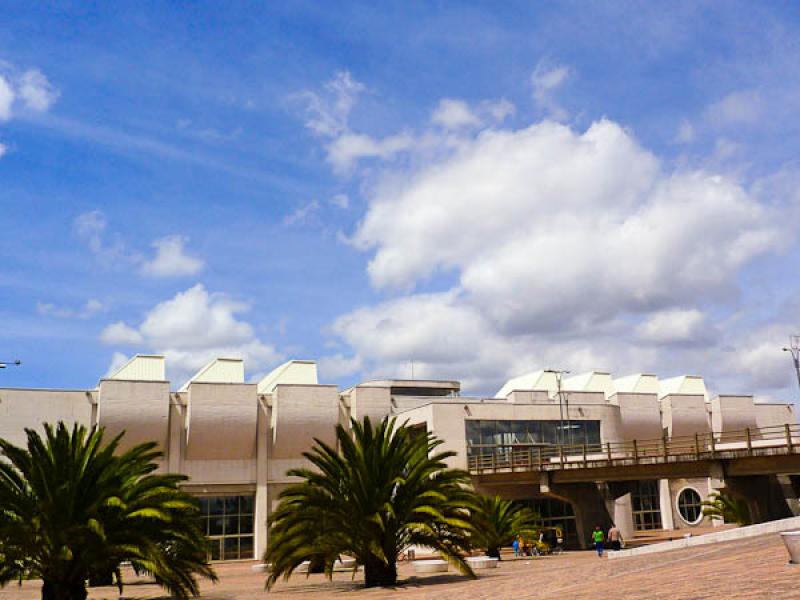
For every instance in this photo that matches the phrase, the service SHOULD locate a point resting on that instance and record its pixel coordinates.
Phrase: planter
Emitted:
(347, 564)
(791, 539)
(430, 566)
(261, 568)
(303, 567)
(482, 562)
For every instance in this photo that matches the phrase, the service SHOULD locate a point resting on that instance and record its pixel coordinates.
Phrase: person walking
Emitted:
(615, 537)
(515, 545)
(598, 538)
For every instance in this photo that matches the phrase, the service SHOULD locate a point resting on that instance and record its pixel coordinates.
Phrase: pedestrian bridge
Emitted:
(764, 451)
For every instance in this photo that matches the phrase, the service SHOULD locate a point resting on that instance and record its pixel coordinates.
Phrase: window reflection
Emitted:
(228, 523)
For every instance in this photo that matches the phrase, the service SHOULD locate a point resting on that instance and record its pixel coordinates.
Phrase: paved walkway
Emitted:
(756, 568)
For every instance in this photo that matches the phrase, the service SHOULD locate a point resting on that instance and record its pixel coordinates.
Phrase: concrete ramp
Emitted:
(713, 538)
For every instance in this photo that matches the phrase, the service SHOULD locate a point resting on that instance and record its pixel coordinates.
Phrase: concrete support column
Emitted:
(623, 516)
(665, 504)
(262, 501)
(176, 431)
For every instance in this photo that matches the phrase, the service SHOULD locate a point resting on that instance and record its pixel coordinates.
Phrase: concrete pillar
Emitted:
(665, 504)
(623, 516)
(176, 429)
(262, 504)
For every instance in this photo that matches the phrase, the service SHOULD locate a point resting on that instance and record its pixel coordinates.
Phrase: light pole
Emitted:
(559, 375)
(4, 364)
(794, 349)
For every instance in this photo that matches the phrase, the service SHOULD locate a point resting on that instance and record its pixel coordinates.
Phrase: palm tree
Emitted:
(496, 522)
(385, 489)
(724, 506)
(72, 510)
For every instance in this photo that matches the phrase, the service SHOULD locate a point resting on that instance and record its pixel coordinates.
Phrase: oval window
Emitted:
(690, 506)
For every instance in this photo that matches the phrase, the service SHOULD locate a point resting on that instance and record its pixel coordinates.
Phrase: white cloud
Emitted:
(6, 99)
(676, 326)
(302, 215)
(170, 259)
(3, 149)
(335, 366)
(30, 91)
(121, 334)
(328, 113)
(545, 80)
(738, 108)
(88, 310)
(36, 91)
(686, 133)
(341, 201)
(193, 328)
(118, 360)
(453, 113)
(91, 228)
(559, 243)
(347, 149)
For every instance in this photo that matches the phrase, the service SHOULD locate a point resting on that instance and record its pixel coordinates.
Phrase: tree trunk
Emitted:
(377, 574)
(63, 590)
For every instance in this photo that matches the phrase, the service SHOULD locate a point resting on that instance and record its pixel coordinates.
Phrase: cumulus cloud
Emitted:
(121, 334)
(29, 90)
(346, 150)
(91, 308)
(171, 259)
(545, 80)
(193, 328)
(566, 248)
(742, 107)
(334, 366)
(36, 92)
(453, 113)
(6, 99)
(676, 327)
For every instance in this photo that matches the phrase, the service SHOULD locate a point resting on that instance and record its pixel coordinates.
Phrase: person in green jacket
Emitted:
(598, 538)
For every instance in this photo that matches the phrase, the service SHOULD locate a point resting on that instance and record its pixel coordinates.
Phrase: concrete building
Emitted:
(236, 440)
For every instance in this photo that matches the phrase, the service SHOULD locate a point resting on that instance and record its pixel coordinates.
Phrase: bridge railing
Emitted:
(780, 439)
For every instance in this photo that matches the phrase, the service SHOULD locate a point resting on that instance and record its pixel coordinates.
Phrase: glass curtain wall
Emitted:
(228, 522)
(480, 432)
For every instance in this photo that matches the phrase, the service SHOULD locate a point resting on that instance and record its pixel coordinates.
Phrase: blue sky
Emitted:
(484, 188)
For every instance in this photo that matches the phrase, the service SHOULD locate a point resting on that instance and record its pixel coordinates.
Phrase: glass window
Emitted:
(689, 506)
(646, 506)
(228, 522)
(473, 432)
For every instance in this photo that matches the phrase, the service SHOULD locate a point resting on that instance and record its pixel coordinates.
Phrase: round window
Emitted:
(690, 506)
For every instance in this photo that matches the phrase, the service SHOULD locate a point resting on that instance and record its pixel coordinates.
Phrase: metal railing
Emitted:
(764, 441)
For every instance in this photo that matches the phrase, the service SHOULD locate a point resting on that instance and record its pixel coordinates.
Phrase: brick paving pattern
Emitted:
(755, 568)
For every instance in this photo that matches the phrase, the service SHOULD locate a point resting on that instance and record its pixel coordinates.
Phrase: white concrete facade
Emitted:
(236, 439)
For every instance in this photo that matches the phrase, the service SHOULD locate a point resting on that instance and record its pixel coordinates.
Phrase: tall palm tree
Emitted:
(71, 510)
(496, 522)
(727, 507)
(387, 487)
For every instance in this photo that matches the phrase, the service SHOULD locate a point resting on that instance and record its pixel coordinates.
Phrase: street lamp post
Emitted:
(4, 364)
(794, 349)
(559, 375)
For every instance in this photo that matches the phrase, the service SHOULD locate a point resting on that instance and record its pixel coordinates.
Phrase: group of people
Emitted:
(614, 539)
(549, 540)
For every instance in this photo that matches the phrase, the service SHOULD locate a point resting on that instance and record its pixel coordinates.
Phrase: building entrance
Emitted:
(228, 522)
(646, 506)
